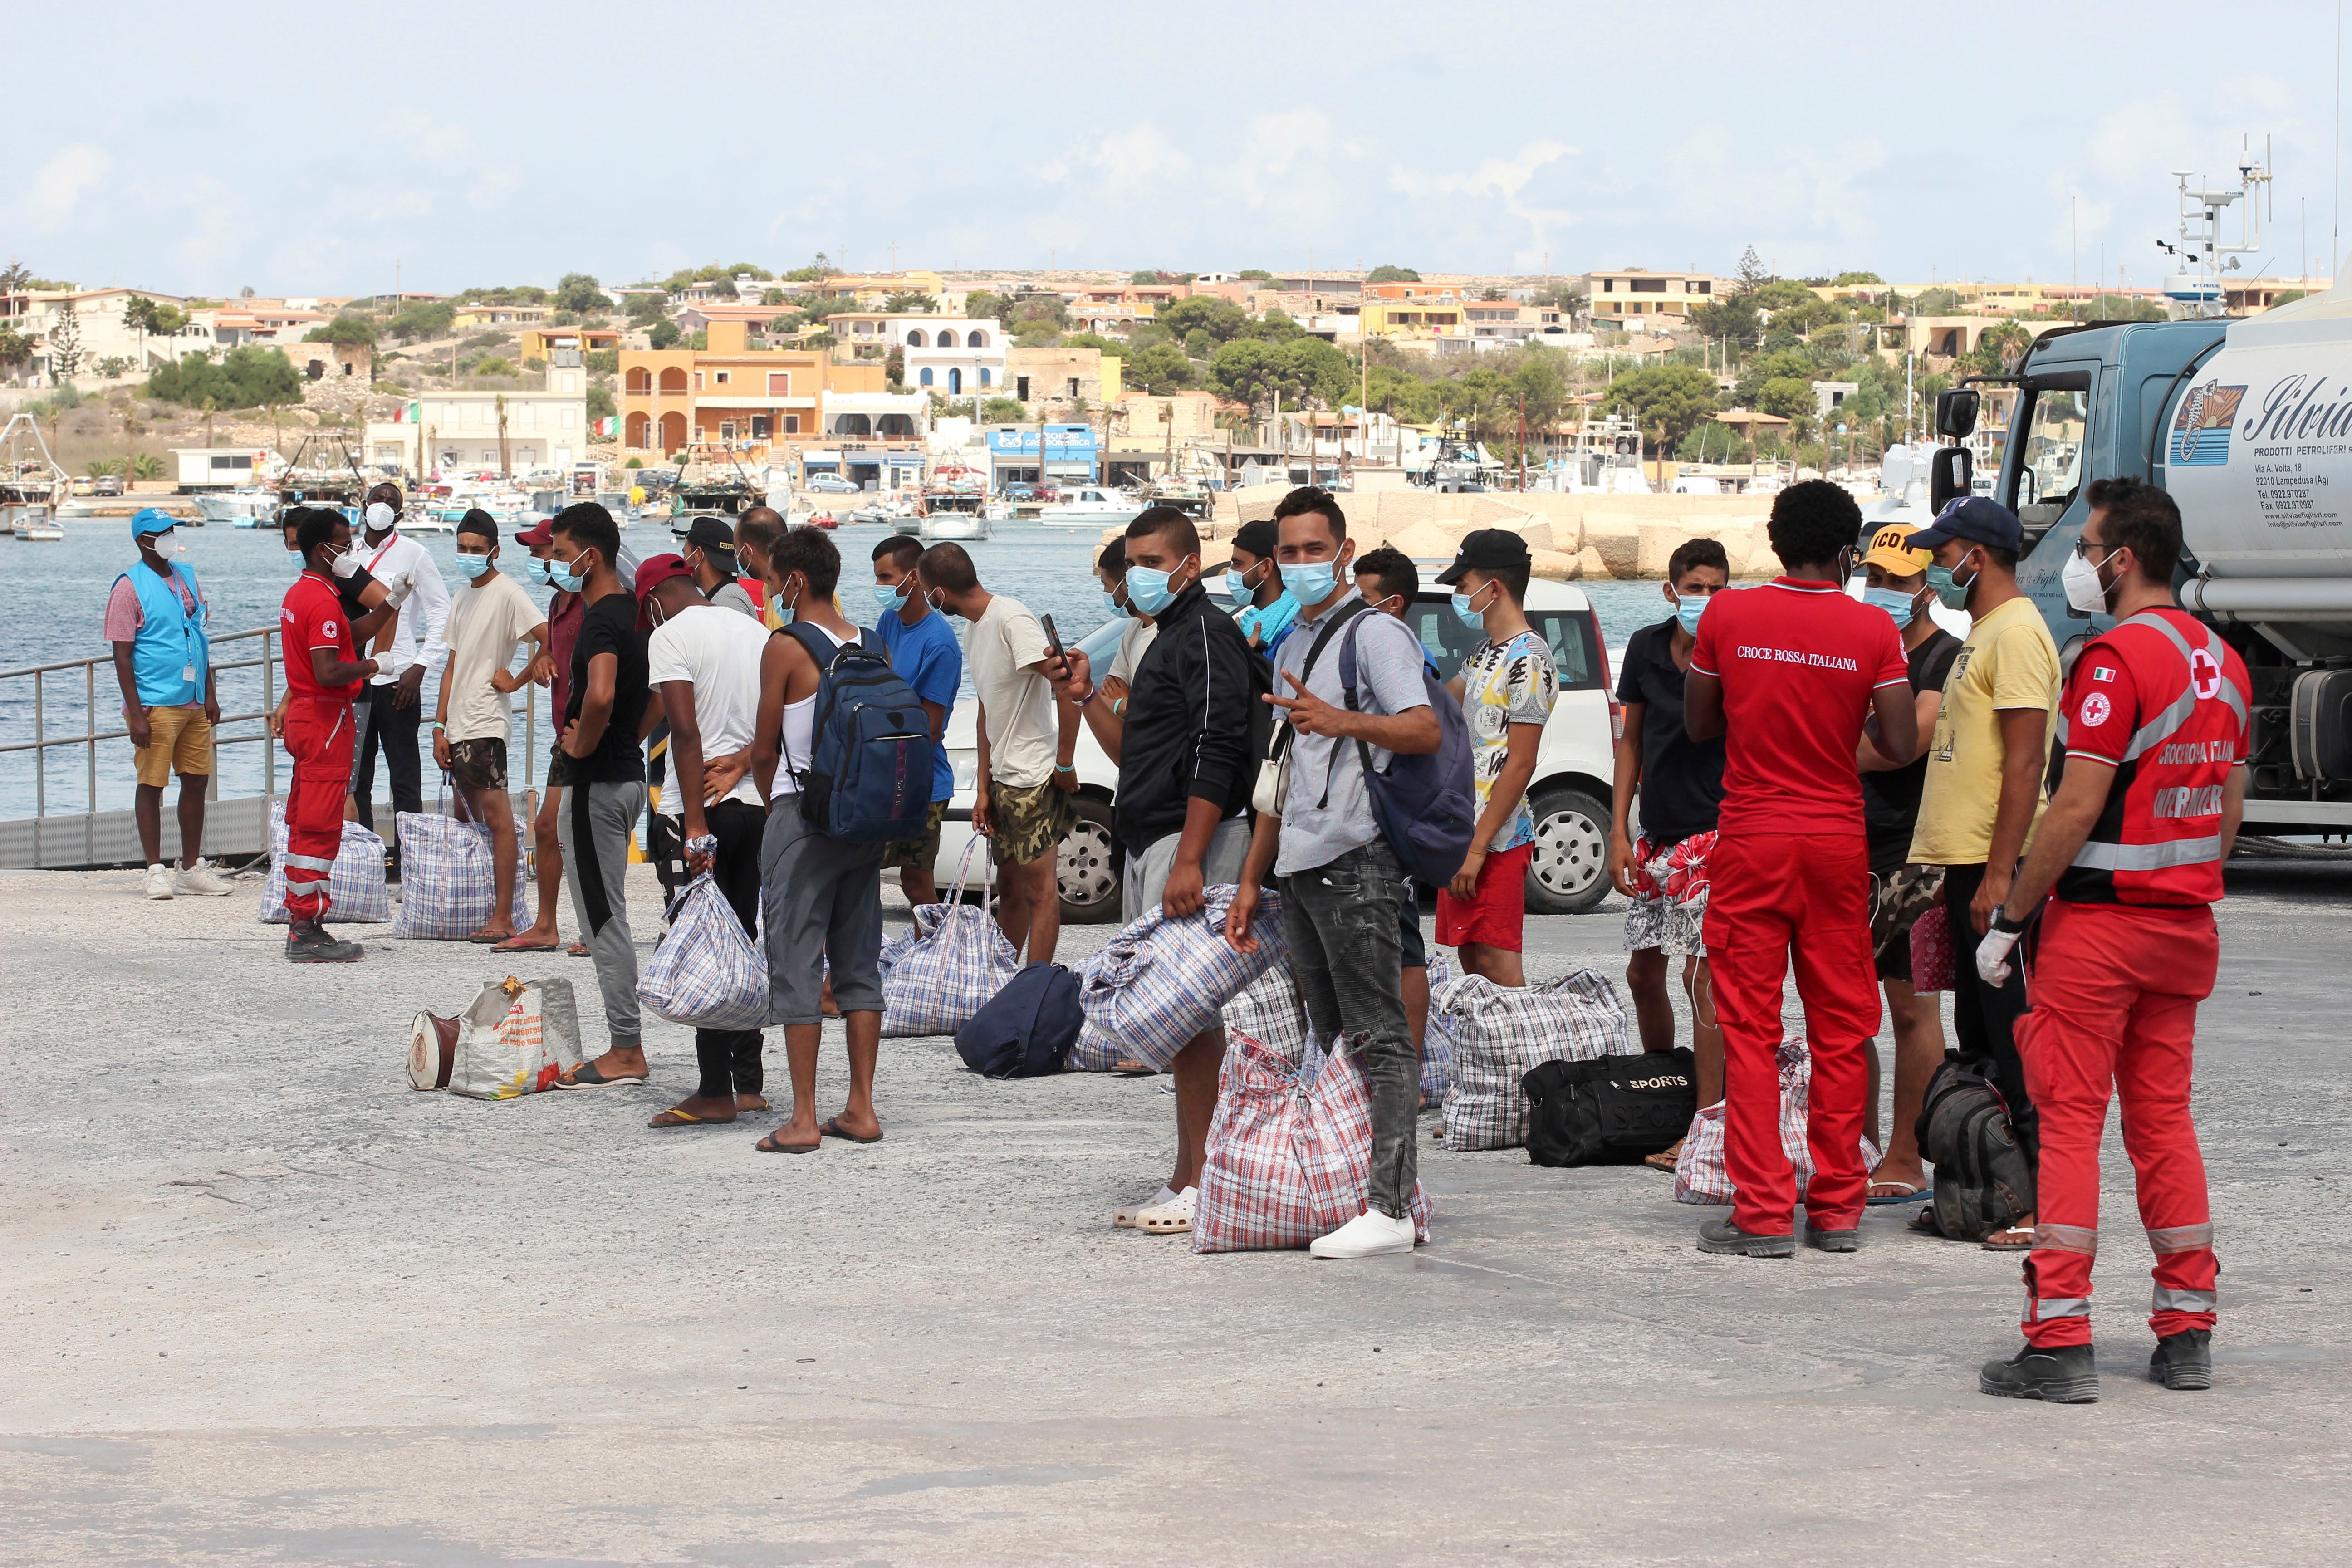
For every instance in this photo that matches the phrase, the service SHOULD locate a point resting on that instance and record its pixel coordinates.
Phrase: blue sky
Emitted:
(295, 149)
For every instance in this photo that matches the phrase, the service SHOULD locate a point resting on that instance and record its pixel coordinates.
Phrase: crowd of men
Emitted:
(1822, 781)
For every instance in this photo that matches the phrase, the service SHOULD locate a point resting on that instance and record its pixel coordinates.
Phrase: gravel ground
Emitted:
(266, 1305)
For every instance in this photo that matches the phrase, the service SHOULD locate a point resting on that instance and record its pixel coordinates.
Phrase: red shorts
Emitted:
(1498, 915)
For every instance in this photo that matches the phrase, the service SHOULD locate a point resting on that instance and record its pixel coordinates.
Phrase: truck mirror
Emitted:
(1949, 477)
(1956, 412)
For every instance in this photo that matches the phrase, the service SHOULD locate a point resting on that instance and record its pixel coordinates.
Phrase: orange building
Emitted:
(729, 397)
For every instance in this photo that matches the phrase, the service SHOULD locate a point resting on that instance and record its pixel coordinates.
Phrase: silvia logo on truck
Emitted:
(2200, 431)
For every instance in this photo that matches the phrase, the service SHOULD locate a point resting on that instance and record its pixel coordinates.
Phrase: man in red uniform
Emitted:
(323, 671)
(1787, 674)
(2147, 790)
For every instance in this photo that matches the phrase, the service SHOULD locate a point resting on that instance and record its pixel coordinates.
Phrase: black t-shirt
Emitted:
(1890, 801)
(1682, 778)
(610, 626)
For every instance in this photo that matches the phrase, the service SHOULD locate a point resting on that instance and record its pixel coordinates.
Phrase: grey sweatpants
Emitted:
(595, 828)
(821, 899)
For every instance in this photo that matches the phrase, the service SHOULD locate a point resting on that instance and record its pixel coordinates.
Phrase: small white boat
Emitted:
(1089, 506)
(959, 525)
(32, 522)
(248, 507)
(77, 506)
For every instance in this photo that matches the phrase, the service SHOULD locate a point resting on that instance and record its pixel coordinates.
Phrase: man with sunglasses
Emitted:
(924, 651)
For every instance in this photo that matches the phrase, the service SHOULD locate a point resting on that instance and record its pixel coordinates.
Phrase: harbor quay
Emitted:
(265, 1304)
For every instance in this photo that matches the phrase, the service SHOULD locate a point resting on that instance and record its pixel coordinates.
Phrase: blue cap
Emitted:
(152, 519)
(1974, 519)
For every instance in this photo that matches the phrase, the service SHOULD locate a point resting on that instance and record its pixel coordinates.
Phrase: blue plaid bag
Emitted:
(1437, 1041)
(446, 872)
(707, 972)
(1160, 982)
(355, 889)
(944, 968)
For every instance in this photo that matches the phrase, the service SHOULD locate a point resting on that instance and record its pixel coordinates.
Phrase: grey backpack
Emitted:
(1984, 1180)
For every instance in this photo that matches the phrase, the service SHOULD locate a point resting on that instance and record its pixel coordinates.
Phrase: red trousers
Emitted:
(2114, 989)
(318, 738)
(1774, 897)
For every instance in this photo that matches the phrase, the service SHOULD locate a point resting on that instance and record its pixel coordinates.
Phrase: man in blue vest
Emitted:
(162, 660)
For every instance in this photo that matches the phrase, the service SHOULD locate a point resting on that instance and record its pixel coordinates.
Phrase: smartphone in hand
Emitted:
(1052, 637)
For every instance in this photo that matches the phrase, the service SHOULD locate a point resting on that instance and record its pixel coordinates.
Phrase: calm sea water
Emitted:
(53, 607)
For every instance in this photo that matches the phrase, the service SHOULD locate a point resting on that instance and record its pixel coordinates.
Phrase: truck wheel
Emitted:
(1087, 867)
(1570, 872)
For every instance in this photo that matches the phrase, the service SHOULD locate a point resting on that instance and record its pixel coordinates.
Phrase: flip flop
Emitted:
(833, 1129)
(577, 950)
(517, 944)
(488, 937)
(1132, 1069)
(769, 1145)
(1924, 1224)
(1994, 1243)
(678, 1116)
(755, 1109)
(1665, 1159)
(1913, 1193)
(586, 1076)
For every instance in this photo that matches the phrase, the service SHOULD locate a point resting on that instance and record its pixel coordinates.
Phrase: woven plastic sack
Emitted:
(355, 889)
(1437, 1040)
(1700, 1176)
(1501, 1034)
(1270, 1011)
(1098, 1049)
(517, 1038)
(1287, 1160)
(445, 874)
(707, 972)
(1796, 1091)
(1162, 981)
(944, 968)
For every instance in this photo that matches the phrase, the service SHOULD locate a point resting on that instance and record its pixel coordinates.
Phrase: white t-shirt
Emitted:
(1131, 644)
(488, 619)
(719, 651)
(1015, 702)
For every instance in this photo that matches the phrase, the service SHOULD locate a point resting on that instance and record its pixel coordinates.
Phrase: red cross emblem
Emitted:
(2204, 672)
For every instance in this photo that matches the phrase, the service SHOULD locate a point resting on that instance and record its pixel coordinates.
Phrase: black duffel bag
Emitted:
(1614, 1110)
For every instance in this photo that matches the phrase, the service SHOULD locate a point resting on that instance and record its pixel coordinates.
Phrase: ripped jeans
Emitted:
(1347, 955)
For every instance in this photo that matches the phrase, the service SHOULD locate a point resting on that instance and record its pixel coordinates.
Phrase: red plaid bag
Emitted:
(1699, 1173)
(1287, 1162)
(1699, 1176)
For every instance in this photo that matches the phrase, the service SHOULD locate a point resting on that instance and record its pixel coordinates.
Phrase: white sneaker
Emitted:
(1124, 1219)
(202, 881)
(159, 881)
(1172, 1218)
(1370, 1233)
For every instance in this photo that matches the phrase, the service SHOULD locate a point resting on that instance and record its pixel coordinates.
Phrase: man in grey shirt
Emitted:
(1341, 881)
(709, 545)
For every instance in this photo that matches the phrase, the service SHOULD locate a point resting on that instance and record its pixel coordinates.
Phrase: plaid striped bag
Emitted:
(1501, 1034)
(445, 873)
(942, 969)
(1270, 1012)
(1287, 1161)
(1437, 1040)
(1796, 1095)
(1160, 982)
(707, 972)
(355, 889)
(1700, 1176)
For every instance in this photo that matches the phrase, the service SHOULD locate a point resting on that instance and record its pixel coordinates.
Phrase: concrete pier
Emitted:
(264, 1304)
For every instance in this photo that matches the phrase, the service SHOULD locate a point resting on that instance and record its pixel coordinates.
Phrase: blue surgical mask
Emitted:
(1953, 593)
(295, 557)
(1311, 582)
(1895, 602)
(1148, 589)
(535, 569)
(1110, 603)
(1688, 609)
(1466, 614)
(471, 564)
(1237, 585)
(562, 576)
(890, 597)
(1267, 622)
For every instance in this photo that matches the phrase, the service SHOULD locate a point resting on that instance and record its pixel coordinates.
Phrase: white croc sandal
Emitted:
(1171, 1218)
(1124, 1219)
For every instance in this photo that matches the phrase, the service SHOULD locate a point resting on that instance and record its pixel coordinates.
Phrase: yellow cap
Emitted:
(1886, 549)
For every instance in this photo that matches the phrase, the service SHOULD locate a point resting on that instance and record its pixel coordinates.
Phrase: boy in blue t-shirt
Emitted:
(924, 651)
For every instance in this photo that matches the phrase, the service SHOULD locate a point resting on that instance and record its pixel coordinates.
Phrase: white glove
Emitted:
(1992, 955)
(389, 664)
(397, 594)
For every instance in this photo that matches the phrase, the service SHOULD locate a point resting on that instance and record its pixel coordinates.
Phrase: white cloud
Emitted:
(1503, 179)
(58, 187)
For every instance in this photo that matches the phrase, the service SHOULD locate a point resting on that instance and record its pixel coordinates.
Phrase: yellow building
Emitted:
(872, 288)
(1410, 320)
(474, 317)
(729, 397)
(1632, 291)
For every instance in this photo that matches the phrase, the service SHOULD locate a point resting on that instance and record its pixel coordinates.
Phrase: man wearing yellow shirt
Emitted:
(1984, 788)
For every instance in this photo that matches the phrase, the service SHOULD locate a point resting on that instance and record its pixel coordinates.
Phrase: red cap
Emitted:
(656, 570)
(540, 533)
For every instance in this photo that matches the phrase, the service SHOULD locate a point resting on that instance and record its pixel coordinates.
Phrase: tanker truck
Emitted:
(2248, 423)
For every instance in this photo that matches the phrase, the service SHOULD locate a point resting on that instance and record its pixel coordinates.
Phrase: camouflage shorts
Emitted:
(478, 764)
(917, 853)
(1026, 823)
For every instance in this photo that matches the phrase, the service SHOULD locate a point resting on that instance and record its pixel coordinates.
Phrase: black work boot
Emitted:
(2063, 1374)
(307, 941)
(1846, 1240)
(2184, 1360)
(1721, 1235)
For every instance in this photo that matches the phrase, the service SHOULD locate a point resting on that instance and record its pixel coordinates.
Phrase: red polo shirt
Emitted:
(1798, 661)
(312, 616)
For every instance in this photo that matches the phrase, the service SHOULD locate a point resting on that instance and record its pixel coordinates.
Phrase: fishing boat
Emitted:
(1087, 507)
(32, 521)
(247, 507)
(30, 487)
(953, 505)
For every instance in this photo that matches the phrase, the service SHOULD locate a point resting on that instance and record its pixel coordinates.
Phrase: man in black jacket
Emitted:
(1183, 746)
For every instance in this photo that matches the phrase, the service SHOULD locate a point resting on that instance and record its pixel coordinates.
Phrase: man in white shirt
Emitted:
(703, 664)
(389, 713)
(471, 725)
(1028, 735)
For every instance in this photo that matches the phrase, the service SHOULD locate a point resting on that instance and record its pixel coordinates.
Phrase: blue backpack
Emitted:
(868, 775)
(1426, 804)
(1027, 1029)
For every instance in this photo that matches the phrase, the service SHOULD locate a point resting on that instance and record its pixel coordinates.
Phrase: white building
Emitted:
(99, 323)
(461, 429)
(955, 355)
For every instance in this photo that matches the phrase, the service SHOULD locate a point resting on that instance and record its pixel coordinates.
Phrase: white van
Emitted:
(1569, 794)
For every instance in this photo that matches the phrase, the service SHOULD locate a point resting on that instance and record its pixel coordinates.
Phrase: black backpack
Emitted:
(1984, 1181)
(1027, 1028)
(1614, 1110)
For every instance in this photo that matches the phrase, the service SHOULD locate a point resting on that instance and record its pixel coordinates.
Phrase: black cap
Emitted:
(1261, 538)
(708, 532)
(1487, 550)
(1976, 519)
(480, 523)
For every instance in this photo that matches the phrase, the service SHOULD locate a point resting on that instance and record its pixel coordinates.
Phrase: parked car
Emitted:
(108, 485)
(831, 484)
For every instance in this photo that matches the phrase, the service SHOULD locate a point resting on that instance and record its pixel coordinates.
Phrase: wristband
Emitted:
(1064, 768)
(438, 724)
(2003, 923)
(1092, 692)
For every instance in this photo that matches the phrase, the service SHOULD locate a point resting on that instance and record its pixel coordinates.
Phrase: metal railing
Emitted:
(85, 678)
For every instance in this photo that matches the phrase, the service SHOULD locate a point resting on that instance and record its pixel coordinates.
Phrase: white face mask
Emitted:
(380, 517)
(2080, 578)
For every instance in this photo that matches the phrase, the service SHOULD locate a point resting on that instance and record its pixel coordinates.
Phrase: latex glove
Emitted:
(699, 851)
(396, 592)
(1992, 955)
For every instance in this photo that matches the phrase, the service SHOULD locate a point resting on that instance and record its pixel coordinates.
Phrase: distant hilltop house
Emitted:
(546, 428)
(1632, 298)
